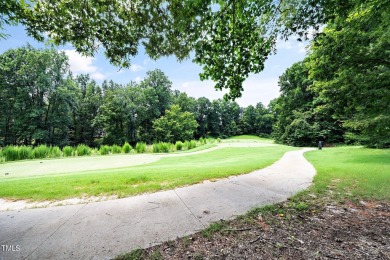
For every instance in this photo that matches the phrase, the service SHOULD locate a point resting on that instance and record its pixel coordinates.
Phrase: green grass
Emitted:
(249, 137)
(199, 148)
(167, 173)
(352, 172)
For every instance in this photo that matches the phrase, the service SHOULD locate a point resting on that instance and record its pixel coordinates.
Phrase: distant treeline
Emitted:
(42, 103)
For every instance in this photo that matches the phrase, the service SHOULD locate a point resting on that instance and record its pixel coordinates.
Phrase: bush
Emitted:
(218, 140)
(192, 144)
(95, 151)
(41, 151)
(10, 153)
(202, 140)
(55, 152)
(179, 145)
(116, 149)
(127, 148)
(67, 151)
(25, 152)
(140, 147)
(104, 149)
(83, 150)
(161, 147)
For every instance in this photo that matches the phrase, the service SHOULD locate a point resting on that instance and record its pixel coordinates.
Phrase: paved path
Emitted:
(102, 230)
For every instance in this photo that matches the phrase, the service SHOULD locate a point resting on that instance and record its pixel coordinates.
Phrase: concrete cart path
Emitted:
(102, 230)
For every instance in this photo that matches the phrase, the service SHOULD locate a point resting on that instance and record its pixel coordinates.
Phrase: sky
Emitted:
(184, 75)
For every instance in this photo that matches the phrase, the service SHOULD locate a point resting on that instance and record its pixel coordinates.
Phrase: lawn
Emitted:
(249, 137)
(352, 172)
(343, 215)
(167, 173)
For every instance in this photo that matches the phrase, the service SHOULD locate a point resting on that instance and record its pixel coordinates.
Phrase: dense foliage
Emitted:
(42, 103)
(341, 91)
(230, 39)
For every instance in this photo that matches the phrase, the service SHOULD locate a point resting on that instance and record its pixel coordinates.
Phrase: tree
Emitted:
(175, 125)
(231, 39)
(301, 119)
(349, 65)
(35, 97)
(89, 98)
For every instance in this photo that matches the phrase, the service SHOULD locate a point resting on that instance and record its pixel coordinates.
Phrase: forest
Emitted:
(43, 103)
(340, 93)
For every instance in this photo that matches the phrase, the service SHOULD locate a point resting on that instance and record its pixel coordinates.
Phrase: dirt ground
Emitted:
(315, 230)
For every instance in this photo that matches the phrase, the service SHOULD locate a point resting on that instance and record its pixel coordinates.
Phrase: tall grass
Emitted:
(140, 147)
(162, 147)
(83, 150)
(67, 151)
(116, 149)
(179, 145)
(202, 140)
(55, 152)
(41, 152)
(126, 148)
(188, 145)
(104, 149)
(25, 152)
(14, 153)
(10, 153)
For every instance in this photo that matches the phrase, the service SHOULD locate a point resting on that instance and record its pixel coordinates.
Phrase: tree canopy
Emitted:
(341, 91)
(42, 103)
(231, 39)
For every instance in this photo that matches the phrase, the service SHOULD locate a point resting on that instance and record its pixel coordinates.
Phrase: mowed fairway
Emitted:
(169, 172)
(352, 172)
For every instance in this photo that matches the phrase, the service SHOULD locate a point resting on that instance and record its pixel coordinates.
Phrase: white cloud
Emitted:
(98, 76)
(81, 64)
(197, 89)
(146, 61)
(136, 67)
(138, 79)
(258, 89)
(281, 44)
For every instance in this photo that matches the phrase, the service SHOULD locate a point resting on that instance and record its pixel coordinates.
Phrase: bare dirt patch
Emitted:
(349, 230)
(6, 205)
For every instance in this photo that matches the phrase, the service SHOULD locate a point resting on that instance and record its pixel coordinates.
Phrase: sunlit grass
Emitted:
(353, 172)
(167, 173)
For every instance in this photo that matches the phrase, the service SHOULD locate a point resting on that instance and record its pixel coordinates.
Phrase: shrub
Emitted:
(25, 152)
(192, 144)
(67, 151)
(94, 151)
(116, 149)
(161, 147)
(218, 140)
(10, 153)
(202, 140)
(140, 147)
(179, 145)
(186, 145)
(104, 149)
(83, 150)
(127, 148)
(55, 152)
(41, 151)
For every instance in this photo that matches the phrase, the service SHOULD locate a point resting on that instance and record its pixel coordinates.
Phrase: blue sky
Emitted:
(261, 87)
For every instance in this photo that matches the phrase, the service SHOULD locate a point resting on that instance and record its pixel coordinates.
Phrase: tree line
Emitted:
(340, 92)
(41, 102)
